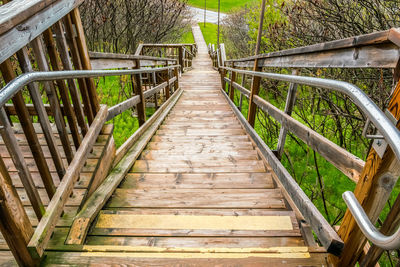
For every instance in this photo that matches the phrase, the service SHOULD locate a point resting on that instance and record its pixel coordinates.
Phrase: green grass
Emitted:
(125, 124)
(209, 32)
(226, 5)
(187, 38)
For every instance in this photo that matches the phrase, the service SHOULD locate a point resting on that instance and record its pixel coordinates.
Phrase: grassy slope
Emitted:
(209, 32)
(226, 5)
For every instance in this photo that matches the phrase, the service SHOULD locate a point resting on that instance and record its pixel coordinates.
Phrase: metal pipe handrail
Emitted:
(13, 87)
(381, 122)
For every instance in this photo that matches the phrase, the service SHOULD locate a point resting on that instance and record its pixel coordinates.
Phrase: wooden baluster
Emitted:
(231, 88)
(241, 95)
(56, 64)
(180, 58)
(37, 152)
(176, 74)
(85, 59)
(137, 86)
(31, 137)
(14, 222)
(78, 66)
(66, 61)
(154, 76)
(43, 65)
(290, 101)
(16, 154)
(167, 88)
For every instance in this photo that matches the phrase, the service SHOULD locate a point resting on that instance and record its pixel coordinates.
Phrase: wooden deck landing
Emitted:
(198, 195)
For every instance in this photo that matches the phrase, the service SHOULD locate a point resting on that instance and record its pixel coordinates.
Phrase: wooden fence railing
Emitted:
(43, 43)
(184, 53)
(376, 177)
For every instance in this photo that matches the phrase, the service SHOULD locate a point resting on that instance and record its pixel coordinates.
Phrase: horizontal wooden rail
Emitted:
(375, 50)
(346, 162)
(24, 31)
(133, 101)
(46, 226)
(112, 61)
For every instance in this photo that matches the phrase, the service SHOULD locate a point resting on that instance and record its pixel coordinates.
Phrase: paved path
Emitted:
(211, 16)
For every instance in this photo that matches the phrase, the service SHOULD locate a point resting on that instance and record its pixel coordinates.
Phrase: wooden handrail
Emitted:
(45, 228)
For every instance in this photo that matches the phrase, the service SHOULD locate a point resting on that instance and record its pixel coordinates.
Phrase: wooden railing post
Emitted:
(290, 101)
(138, 88)
(14, 222)
(176, 74)
(231, 88)
(372, 191)
(85, 60)
(241, 94)
(180, 58)
(167, 89)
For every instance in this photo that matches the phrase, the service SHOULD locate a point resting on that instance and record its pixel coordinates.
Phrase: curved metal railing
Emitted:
(13, 87)
(389, 131)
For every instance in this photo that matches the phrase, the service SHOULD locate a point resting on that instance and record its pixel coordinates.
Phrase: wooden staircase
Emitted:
(199, 194)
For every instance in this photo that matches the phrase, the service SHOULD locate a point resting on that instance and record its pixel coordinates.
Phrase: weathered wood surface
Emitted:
(375, 50)
(194, 187)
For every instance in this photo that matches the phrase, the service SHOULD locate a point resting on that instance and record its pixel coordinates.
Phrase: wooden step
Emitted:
(198, 198)
(163, 155)
(174, 166)
(197, 180)
(198, 132)
(198, 145)
(231, 138)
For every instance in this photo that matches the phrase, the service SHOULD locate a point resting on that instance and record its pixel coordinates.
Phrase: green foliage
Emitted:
(114, 90)
(210, 33)
(274, 24)
(226, 6)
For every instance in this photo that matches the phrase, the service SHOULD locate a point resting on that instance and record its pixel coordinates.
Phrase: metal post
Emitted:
(219, 5)
(290, 101)
(205, 12)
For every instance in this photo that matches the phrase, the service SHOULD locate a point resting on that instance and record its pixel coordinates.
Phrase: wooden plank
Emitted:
(204, 166)
(203, 132)
(190, 242)
(232, 156)
(195, 222)
(371, 56)
(199, 145)
(346, 162)
(361, 40)
(121, 107)
(197, 180)
(328, 237)
(199, 198)
(97, 200)
(46, 226)
(17, 37)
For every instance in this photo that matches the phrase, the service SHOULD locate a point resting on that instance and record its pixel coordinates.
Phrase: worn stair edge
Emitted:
(325, 233)
(97, 200)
